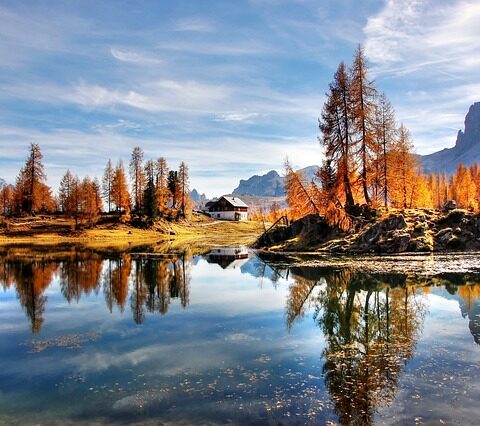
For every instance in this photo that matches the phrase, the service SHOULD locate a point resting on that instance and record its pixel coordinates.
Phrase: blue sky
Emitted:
(230, 87)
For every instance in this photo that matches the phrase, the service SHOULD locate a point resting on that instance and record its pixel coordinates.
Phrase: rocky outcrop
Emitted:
(416, 230)
(466, 149)
(309, 231)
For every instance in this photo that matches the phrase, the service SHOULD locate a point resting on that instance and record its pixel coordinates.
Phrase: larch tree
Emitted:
(120, 195)
(299, 193)
(66, 193)
(162, 187)
(89, 201)
(336, 127)
(363, 93)
(97, 191)
(31, 187)
(137, 177)
(107, 184)
(7, 197)
(184, 190)
(463, 189)
(386, 130)
(404, 169)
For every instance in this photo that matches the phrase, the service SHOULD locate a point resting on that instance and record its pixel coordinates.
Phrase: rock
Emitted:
(420, 228)
(311, 230)
(444, 235)
(421, 244)
(453, 219)
(397, 242)
(455, 243)
(450, 205)
(338, 246)
(393, 222)
(466, 149)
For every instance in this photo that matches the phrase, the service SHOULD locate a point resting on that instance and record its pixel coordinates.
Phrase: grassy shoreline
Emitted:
(198, 231)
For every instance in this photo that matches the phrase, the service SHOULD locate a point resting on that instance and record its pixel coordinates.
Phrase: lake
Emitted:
(99, 337)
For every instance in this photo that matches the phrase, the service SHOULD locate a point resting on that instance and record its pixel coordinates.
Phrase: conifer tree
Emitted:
(173, 186)
(299, 193)
(162, 184)
(336, 126)
(184, 190)
(107, 184)
(66, 193)
(31, 190)
(150, 195)
(385, 127)
(363, 93)
(404, 169)
(137, 177)
(120, 195)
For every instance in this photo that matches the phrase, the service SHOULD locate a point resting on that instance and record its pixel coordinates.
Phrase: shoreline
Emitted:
(200, 231)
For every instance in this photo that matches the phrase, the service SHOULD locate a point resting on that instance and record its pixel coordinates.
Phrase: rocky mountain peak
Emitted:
(471, 136)
(466, 149)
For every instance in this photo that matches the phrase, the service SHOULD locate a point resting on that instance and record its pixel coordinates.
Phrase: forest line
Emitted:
(154, 191)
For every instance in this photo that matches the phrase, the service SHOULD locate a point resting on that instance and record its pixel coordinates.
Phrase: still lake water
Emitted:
(104, 338)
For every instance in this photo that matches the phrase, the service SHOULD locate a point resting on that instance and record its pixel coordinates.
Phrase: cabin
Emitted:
(229, 208)
(228, 257)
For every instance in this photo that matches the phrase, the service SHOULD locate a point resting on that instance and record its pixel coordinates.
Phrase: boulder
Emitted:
(391, 223)
(455, 243)
(421, 244)
(444, 235)
(450, 205)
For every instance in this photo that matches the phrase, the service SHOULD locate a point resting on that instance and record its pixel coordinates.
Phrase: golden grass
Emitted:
(199, 231)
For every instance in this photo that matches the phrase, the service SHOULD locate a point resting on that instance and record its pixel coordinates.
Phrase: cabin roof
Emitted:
(235, 201)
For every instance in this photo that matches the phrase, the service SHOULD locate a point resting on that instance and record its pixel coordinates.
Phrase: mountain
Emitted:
(270, 184)
(466, 149)
(196, 196)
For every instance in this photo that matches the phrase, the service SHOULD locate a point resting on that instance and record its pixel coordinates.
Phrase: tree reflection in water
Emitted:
(371, 325)
(153, 282)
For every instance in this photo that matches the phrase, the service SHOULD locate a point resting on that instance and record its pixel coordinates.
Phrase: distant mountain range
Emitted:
(196, 196)
(466, 149)
(270, 184)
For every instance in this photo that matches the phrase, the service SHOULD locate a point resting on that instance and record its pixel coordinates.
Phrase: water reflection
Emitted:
(151, 282)
(371, 327)
(368, 326)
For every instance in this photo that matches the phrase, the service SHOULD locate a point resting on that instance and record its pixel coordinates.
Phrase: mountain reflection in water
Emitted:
(370, 323)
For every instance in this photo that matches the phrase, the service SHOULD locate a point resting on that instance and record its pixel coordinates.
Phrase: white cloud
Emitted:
(134, 57)
(427, 50)
(236, 116)
(237, 48)
(194, 24)
(424, 35)
(157, 96)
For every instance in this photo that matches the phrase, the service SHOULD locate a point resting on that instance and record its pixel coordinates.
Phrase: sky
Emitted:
(229, 87)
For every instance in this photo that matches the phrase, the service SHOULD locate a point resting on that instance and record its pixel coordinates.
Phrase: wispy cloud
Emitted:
(216, 47)
(194, 24)
(157, 96)
(427, 53)
(424, 35)
(236, 116)
(134, 57)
